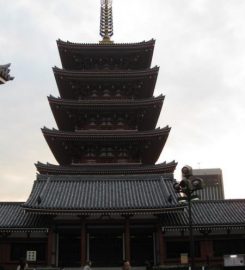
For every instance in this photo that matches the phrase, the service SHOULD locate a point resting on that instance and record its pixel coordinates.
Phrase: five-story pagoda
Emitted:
(107, 195)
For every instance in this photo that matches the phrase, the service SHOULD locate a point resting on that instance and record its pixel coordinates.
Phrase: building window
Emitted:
(176, 248)
(228, 246)
(18, 250)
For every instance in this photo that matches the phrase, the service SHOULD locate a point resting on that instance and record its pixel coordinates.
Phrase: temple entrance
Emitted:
(106, 248)
(142, 247)
(69, 248)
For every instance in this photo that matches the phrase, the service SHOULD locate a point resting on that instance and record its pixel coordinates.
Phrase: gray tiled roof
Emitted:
(101, 194)
(14, 218)
(209, 214)
(206, 215)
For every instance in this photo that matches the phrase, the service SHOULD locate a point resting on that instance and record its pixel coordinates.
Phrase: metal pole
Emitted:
(191, 239)
(187, 186)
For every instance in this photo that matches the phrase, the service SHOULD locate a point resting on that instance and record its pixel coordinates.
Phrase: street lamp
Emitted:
(186, 188)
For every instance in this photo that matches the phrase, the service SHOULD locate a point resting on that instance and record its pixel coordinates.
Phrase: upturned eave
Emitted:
(73, 55)
(106, 169)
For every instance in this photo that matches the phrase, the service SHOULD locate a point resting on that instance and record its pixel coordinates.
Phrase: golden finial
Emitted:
(106, 22)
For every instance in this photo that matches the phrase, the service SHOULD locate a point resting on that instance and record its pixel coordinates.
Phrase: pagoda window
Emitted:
(120, 122)
(106, 66)
(107, 152)
(94, 94)
(92, 123)
(106, 93)
(118, 93)
(123, 152)
(106, 121)
(90, 152)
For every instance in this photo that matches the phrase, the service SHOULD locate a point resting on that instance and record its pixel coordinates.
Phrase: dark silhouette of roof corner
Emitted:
(4, 73)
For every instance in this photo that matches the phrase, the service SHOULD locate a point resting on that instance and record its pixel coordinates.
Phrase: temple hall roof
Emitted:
(14, 218)
(87, 194)
(208, 215)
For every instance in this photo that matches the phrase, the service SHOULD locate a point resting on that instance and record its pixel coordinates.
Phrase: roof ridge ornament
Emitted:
(106, 21)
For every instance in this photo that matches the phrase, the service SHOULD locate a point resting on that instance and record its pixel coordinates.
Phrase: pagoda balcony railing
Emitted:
(106, 128)
(107, 159)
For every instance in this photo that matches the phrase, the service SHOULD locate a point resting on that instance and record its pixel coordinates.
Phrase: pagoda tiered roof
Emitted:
(66, 145)
(80, 84)
(114, 56)
(83, 195)
(107, 169)
(143, 113)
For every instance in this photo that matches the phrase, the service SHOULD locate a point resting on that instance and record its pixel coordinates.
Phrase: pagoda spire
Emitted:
(106, 21)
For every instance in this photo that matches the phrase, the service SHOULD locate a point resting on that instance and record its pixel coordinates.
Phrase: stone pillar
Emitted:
(127, 239)
(83, 242)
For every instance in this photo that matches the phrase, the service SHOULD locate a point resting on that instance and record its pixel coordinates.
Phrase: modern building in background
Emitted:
(107, 199)
(213, 181)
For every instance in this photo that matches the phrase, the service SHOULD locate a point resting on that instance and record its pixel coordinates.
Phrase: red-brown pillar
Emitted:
(161, 244)
(127, 238)
(83, 242)
(4, 253)
(50, 246)
(206, 250)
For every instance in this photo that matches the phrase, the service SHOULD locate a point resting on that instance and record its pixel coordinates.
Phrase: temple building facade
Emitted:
(108, 199)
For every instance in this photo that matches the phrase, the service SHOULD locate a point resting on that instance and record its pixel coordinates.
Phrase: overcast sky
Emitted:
(200, 48)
